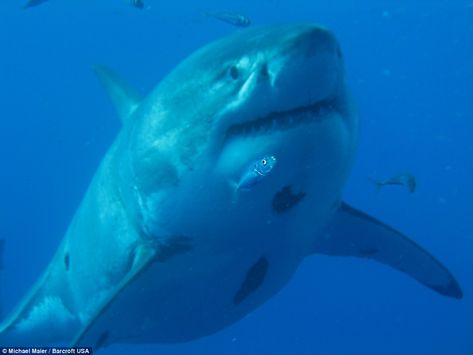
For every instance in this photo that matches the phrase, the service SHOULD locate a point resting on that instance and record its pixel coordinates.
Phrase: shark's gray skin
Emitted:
(159, 252)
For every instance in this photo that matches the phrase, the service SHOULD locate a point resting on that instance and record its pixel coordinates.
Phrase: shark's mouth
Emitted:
(283, 120)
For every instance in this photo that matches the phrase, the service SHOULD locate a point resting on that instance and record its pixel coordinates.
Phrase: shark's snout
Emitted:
(313, 41)
(296, 82)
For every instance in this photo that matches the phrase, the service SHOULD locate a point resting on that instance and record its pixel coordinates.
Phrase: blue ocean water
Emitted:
(409, 66)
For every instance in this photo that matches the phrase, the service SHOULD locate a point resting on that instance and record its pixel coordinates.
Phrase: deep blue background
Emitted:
(410, 67)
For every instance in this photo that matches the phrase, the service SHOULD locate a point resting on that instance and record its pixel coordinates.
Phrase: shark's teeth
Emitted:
(283, 120)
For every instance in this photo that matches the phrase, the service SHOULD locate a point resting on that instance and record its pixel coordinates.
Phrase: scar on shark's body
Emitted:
(285, 199)
(253, 280)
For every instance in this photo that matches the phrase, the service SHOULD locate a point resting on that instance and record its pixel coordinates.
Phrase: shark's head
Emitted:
(260, 91)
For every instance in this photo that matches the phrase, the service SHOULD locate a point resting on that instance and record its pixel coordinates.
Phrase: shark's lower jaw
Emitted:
(283, 120)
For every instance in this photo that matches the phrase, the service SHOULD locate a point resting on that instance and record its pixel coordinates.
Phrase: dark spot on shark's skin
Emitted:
(254, 279)
(102, 340)
(66, 261)
(264, 71)
(285, 199)
(368, 251)
(173, 246)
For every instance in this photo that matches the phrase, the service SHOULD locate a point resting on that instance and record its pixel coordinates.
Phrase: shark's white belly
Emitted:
(243, 251)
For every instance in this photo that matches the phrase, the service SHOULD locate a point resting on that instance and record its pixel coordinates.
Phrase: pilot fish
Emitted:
(255, 173)
(408, 180)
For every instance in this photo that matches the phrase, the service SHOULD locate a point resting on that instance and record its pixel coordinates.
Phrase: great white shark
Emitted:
(160, 252)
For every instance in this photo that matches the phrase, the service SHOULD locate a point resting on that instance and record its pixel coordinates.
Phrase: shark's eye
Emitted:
(264, 162)
(234, 73)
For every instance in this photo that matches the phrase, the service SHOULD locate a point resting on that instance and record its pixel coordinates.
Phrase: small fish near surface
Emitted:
(408, 180)
(32, 3)
(232, 18)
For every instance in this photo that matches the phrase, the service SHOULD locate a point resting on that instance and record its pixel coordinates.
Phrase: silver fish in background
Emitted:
(408, 180)
(32, 3)
(232, 18)
(256, 172)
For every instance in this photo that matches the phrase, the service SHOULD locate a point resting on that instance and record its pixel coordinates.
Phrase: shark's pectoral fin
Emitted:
(125, 98)
(144, 256)
(354, 233)
(104, 327)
